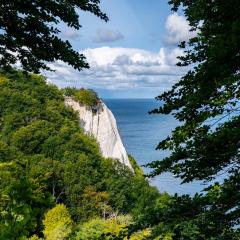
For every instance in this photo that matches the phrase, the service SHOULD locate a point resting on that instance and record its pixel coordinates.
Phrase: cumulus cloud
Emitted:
(121, 68)
(71, 34)
(178, 29)
(104, 35)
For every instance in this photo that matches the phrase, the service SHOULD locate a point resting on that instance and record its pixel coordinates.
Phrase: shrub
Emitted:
(57, 223)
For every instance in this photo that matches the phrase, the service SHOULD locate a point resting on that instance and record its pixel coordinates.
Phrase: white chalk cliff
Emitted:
(101, 124)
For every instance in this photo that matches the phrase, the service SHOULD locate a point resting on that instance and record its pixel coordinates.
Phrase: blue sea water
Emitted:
(142, 132)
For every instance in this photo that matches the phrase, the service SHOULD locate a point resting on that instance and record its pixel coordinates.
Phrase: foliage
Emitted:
(91, 230)
(30, 34)
(34, 237)
(69, 91)
(141, 235)
(137, 169)
(96, 228)
(87, 97)
(94, 204)
(57, 223)
(22, 196)
(206, 101)
(45, 159)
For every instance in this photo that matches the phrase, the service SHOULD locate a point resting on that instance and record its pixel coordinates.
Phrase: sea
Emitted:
(141, 132)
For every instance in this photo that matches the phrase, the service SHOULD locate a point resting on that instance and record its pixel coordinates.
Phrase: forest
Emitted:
(52, 175)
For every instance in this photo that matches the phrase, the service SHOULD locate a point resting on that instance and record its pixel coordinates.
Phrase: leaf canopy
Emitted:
(29, 32)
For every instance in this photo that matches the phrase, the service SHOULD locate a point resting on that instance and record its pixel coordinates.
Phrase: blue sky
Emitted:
(131, 56)
(141, 23)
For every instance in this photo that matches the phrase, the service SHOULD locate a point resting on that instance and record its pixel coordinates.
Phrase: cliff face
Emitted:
(101, 124)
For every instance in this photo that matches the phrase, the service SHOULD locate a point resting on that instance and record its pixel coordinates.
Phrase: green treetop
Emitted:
(87, 97)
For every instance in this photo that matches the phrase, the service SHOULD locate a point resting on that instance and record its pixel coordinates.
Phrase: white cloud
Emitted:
(178, 29)
(104, 35)
(121, 68)
(70, 34)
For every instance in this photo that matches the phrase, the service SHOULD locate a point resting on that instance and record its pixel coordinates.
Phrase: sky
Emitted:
(133, 55)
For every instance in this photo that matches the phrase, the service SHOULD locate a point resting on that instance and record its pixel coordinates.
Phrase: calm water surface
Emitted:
(142, 132)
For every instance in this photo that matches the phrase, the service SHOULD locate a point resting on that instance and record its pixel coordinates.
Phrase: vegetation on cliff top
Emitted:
(87, 97)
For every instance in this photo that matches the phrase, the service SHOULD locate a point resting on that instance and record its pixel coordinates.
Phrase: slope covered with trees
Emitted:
(45, 159)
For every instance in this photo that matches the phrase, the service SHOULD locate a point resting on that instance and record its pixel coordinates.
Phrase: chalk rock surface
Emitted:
(101, 124)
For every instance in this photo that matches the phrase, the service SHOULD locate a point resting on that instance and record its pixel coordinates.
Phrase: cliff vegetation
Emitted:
(86, 97)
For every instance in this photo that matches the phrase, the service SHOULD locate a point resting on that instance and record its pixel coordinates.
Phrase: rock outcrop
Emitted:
(100, 123)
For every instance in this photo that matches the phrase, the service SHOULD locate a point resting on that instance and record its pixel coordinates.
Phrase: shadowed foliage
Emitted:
(29, 32)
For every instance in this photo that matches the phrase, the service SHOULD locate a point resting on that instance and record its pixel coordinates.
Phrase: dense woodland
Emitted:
(48, 163)
(54, 183)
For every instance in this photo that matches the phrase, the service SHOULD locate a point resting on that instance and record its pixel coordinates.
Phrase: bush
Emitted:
(137, 169)
(57, 223)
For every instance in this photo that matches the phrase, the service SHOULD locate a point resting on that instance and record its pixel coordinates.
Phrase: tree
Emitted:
(22, 196)
(29, 33)
(206, 101)
(46, 159)
(94, 204)
(87, 97)
(98, 228)
(57, 223)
